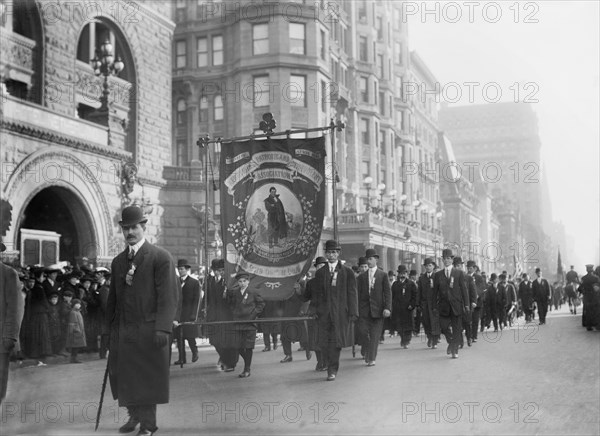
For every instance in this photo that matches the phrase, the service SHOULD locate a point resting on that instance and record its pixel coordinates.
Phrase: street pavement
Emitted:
(527, 380)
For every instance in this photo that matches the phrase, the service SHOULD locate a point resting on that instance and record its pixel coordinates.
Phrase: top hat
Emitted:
(457, 261)
(242, 275)
(319, 260)
(183, 263)
(332, 245)
(217, 264)
(446, 252)
(371, 253)
(402, 269)
(429, 261)
(413, 272)
(362, 261)
(471, 264)
(132, 215)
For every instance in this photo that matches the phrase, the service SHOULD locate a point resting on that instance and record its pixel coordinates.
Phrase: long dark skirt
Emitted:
(38, 344)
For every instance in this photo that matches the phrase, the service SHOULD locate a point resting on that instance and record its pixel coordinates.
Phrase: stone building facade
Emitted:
(70, 163)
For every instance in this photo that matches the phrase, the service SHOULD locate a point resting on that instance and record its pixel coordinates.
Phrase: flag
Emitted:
(272, 206)
(559, 268)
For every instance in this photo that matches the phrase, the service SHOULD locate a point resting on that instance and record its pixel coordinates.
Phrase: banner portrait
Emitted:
(272, 204)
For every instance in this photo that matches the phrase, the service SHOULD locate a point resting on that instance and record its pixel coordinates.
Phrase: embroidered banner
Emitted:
(272, 205)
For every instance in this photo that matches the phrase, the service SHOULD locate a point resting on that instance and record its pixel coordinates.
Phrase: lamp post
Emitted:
(104, 64)
(393, 195)
(403, 198)
(367, 182)
(424, 214)
(438, 215)
(381, 188)
(416, 204)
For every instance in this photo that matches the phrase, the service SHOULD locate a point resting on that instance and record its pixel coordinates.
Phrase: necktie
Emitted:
(130, 255)
(447, 273)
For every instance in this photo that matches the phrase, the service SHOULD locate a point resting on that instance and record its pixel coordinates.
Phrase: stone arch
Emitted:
(74, 181)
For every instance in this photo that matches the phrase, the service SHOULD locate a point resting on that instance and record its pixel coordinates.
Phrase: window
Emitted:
(202, 52)
(397, 18)
(203, 113)
(382, 104)
(260, 39)
(297, 36)
(324, 96)
(322, 42)
(380, 65)
(181, 153)
(364, 130)
(398, 52)
(364, 89)
(181, 112)
(217, 50)
(382, 143)
(362, 11)
(379, 27)
(297, 91)
(181, 58)
(261, 91)
(218, 108)
(363, 52)
(364, 165)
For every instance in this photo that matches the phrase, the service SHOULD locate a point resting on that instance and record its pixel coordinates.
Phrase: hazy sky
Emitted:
(554, 61)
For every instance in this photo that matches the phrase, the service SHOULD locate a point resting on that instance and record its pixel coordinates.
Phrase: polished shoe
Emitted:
(469, 342)
(449, 349)
(474, 340)
(301, 349)
(434, 346)
(275, 346)
(308, 354)
(129, 426)
(194, 357)
(145, 432)
(330, 377)
(244, 374)
(286, 359)
(405, 346)
(266, 349)
(371, 363)
(429, 343)
(228, 369)
(179, 362)
(455, 355)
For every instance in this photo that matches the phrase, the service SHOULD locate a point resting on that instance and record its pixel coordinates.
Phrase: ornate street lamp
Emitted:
(368, 180)
(416, 204)
(381, 188)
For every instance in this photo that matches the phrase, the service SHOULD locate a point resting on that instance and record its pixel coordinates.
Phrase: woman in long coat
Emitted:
(38, 331)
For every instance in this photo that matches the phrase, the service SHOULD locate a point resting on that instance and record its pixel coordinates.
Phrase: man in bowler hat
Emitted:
(451, 300)
(189, 301)
(374, 304)
(542, 294)
(142, 303)
(335, 298)
(431, 320)
(11, 315)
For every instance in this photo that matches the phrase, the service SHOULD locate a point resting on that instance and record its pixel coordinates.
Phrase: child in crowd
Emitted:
(76, 331)
(54, 324)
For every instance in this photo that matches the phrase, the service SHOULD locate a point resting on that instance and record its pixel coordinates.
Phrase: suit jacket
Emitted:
(425, 290)
(496, 297)
(246, 306)
(134, 314)
(526, 294)
(473, 294)
(378, 298)
(336, 303)
(541, 291)
(450, 295)
(189, 301)
(11, 304)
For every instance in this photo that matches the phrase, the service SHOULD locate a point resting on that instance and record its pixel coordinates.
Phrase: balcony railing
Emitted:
(377, 222)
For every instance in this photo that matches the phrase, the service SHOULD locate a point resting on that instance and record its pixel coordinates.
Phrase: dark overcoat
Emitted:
(188, 307)
(425, 300)
(217, 309)
(526, 294)
(541, 291)
(404, 300)
(139, 371)
(338, 303)
(450, 295)
(590, 288)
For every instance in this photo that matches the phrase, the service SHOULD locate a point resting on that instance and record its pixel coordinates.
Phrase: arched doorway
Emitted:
(59, 210)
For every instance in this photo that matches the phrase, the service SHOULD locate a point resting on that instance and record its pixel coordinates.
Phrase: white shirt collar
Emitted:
(373, 269)
(332, 266)
(137, 246)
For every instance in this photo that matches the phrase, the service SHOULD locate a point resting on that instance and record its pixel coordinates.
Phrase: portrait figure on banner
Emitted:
(277, 225)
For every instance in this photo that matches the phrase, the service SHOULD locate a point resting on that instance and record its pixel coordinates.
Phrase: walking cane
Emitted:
(102, 396)
(181, 344)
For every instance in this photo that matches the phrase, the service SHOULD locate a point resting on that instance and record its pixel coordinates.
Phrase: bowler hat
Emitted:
(217, 264)
(371, 253)
(183, 263)
(362, 261)
(471, 264)
(332, 245)
(402, 269)
(242, 275)
(132, 215)
(319, 260)
(457, 260)
(493, 276)
(537, 270)
(446, 252)
(429, 261)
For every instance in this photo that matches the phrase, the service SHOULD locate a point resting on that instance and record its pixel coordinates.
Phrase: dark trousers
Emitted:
(246, 354)
(331, 353)
(145, 415)
(182, 335)
(405, 337)
(542, 310)
(4, 363)
(468, 326)
(452, 330)
(228, 356)
(417, 320)
(287, 346)
(476, 315)
(372, 329)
